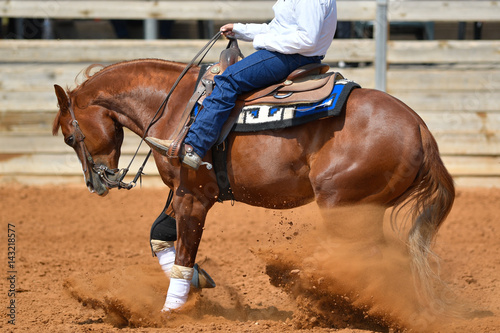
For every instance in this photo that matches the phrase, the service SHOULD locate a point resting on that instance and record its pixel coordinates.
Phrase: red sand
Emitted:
(83, 264)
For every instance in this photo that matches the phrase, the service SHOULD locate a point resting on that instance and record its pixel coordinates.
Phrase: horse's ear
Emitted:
(63, 101)
(62, 98)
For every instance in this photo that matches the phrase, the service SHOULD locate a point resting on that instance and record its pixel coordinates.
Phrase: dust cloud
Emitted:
(350, 273)
(352, 278)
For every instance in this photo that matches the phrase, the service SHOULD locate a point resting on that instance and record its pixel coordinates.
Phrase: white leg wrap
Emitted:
(159, 245)
(177, 296)
(165, 251)
(181, 272)
(180, 284)
(166, 258)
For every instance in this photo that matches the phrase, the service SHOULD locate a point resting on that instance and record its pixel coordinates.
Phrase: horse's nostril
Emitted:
(90, 187)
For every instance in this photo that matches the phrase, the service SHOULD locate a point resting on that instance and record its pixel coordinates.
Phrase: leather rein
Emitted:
(113, 178)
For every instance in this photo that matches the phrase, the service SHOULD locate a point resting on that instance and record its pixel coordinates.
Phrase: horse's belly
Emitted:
(273, 196)
(271, 182)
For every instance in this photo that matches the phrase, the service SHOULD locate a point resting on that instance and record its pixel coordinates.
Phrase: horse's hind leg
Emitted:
(342, 199)
(358, 227)
(162, 237)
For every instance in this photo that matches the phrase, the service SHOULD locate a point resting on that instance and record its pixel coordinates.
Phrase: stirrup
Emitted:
(175, 151)
(185, 153)
(189, 158)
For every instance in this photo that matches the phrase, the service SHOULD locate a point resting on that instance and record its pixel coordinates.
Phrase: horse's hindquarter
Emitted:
(374, 158)
(370, 153)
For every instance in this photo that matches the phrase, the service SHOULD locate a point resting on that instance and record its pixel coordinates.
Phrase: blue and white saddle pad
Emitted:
(265, 117)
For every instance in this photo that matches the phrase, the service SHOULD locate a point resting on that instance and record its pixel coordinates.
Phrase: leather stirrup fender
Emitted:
(175, 148)
(229, 56)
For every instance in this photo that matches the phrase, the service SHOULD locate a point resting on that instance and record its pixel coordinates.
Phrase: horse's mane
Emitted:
(89, 77)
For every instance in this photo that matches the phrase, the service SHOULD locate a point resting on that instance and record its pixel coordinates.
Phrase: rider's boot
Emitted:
(187, 155)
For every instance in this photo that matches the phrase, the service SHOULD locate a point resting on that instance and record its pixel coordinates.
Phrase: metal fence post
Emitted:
(381, 32)
(150, 29)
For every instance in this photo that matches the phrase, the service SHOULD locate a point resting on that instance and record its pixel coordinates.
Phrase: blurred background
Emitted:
(442, 58)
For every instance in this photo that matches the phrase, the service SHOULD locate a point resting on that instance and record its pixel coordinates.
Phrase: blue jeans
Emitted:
(258, 70)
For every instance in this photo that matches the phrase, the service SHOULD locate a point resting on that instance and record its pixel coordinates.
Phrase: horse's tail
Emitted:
(428, 205)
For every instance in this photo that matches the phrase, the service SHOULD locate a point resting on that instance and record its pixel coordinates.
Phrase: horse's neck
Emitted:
(136, 90)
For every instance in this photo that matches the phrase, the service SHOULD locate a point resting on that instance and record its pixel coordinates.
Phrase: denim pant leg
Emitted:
(260, 69)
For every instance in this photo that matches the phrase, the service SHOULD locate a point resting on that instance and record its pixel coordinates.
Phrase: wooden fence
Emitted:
(453, 84)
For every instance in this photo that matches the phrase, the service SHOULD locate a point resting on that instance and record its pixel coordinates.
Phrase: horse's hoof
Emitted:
(201, 279)
(167, 313)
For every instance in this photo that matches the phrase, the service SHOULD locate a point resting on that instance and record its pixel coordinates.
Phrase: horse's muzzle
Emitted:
(95, 185)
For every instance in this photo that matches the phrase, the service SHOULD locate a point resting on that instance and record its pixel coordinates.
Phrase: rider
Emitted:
(300, 33)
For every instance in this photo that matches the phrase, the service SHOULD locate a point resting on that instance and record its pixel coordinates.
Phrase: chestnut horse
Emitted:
(377, 151)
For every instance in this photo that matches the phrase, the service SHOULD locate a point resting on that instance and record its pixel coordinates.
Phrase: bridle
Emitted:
(113, 178)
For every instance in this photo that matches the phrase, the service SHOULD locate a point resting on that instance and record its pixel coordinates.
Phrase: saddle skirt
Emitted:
(271, 114)
(311, 95)
(308, 93)
(307, 89)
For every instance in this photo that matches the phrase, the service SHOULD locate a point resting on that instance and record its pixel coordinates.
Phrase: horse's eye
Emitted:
(70, 140)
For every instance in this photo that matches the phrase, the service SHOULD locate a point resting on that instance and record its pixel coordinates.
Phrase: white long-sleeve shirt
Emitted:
(305, 27)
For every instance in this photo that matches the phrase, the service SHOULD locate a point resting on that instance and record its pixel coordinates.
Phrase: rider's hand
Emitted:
(227, 30)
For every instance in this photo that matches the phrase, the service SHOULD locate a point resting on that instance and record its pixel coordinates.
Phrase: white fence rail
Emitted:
(348, 10)
(453, 84)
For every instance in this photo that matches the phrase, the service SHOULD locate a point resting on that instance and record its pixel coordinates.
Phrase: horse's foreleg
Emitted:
(190, 215)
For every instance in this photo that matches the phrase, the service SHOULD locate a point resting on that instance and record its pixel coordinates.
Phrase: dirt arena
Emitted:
(83, 264)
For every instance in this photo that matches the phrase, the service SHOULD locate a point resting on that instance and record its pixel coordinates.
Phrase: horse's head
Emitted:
(95, 135)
